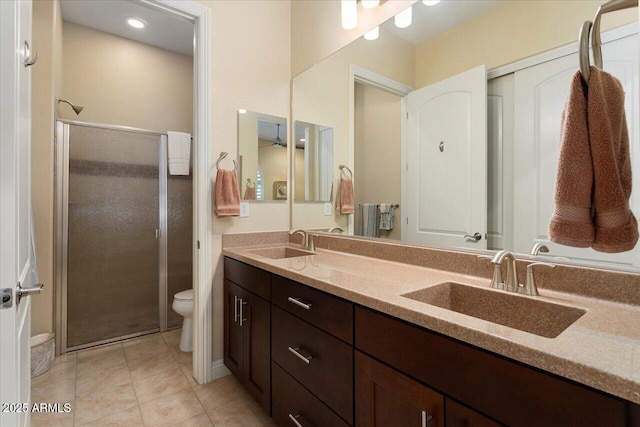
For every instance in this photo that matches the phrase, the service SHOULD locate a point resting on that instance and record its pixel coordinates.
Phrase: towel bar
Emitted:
(224, 154)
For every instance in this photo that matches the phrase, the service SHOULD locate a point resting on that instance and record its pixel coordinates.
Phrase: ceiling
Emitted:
(163, 30)
(267, 128)
(429, 21)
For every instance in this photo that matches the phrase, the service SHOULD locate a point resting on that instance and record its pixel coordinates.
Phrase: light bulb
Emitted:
(370, 4)
(349, 14)
(403, 19)
(430, 2)
(136, 23)
(373, 34)
(242, 111)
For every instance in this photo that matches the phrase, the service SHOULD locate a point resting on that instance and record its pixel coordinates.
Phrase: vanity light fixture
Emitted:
(430, 2)
(373, 34)
(349, 9)
(403, 19)
(136, 23)
(370, 4)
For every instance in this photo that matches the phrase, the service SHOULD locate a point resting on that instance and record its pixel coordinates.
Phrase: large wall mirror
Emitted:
(454, 123)
(262, 150)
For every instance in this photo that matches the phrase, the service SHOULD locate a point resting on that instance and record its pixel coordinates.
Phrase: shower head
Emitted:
(76, 108)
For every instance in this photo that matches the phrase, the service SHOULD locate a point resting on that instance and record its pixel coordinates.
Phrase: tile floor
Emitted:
(142, 382)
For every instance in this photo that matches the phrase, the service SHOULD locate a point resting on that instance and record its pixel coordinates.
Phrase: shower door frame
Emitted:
(62, 229)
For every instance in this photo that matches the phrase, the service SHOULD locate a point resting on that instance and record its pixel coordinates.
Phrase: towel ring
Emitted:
(583, 38)
(222, 156)
(250, 183)
(342, 168)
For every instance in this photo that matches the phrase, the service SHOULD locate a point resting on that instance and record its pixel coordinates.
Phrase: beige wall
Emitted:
(320, 95)
(512, 31)
(46, 75)
(123, 82)
(316, 28)
(251, 69)
(377, 151)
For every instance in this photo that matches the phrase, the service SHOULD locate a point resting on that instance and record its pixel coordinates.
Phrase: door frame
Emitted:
(201, 18)
(361, 75)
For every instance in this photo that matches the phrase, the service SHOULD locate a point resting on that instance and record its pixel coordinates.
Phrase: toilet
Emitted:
(183, 305)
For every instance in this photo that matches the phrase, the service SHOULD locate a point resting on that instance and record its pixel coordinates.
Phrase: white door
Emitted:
(445, 191)
(540, 95)
(15, 207)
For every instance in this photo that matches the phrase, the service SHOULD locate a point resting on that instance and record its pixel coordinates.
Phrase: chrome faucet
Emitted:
(496, 281)
(539, 247)
(511, 284)
(307, 239)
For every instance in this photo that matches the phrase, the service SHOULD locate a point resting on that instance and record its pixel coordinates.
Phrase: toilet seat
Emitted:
(184, 295)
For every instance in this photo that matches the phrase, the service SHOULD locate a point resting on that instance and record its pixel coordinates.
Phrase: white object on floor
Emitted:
(179, 152)
(42, 353)
(183, 305)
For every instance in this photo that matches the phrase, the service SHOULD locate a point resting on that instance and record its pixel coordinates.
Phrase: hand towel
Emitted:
(369, 220)
(227, 197)
(387, 211)
(249, 191)
(344, 197)
(615, 225)
(571, 223)
(179, 152)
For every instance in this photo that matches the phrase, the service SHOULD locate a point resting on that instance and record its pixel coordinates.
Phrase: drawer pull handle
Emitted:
(296, 352)
(294, 418)
(299, 303)
(425, 418)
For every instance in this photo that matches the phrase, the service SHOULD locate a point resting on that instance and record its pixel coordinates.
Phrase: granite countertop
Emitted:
(601, 349)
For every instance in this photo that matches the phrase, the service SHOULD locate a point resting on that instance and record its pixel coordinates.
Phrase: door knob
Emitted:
(25, 292)
(476, 236)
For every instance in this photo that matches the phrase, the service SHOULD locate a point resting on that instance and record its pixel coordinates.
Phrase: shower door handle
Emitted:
(157, 231)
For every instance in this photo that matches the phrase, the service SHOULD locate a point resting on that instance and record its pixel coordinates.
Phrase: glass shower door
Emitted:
(112, 264)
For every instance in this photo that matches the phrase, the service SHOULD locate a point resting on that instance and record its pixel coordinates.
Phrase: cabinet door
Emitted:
(232, 329)
(458, 415)
(256, 327)
(385, 397)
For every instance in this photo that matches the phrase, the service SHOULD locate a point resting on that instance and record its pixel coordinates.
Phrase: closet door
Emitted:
(113, 254)
(540, 95)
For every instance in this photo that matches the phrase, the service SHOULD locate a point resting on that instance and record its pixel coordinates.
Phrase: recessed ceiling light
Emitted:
(242, 111)
(403, 19)
(136, 23)
(370, 4)
(430, 2)
(303, 140)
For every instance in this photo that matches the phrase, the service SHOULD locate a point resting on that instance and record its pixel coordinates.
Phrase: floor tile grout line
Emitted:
(135, 392)
(75, 394)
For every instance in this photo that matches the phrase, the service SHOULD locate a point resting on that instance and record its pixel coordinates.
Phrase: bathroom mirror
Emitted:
(529, 52)
(313, 162)
(262, 152)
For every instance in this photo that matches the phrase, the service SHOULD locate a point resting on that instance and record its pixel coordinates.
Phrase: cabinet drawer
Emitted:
(329, 313)
(290, 398)
(251, 278)
(328, 373)
(460, 416)
(504, 390)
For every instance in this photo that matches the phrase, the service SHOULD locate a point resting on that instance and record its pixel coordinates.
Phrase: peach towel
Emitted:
(593, 183)
(227, 196)
(616, 226)
(344, 197)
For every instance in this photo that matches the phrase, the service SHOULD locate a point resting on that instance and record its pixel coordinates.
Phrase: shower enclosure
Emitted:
(124, 234)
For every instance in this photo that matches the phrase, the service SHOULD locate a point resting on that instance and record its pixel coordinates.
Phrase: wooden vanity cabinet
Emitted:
(502, 389)
(247, 330)
(312, 351)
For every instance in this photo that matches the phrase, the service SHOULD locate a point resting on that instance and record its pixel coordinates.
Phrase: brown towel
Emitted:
(227, 197)
(616, 226)
(571, 223)
(249, 193)
(344, 197)
(593, 183)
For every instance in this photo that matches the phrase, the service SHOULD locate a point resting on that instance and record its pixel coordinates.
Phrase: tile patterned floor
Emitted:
(142, 382)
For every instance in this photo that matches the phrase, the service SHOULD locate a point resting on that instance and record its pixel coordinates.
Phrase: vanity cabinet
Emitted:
(247, 329)
(503, 390)
(312, 352)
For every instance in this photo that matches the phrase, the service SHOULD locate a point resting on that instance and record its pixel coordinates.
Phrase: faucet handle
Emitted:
(530, 287)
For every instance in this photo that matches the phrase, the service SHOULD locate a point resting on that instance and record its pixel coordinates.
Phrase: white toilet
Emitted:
(183, 305)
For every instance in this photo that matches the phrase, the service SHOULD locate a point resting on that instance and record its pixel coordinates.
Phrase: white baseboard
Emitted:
(218, 370)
